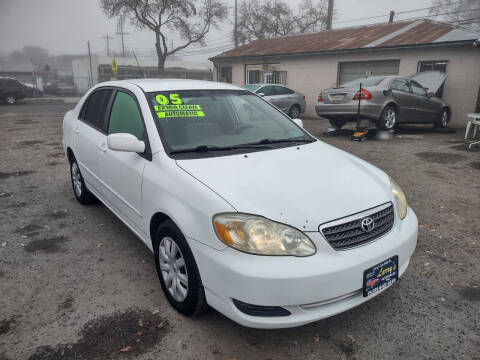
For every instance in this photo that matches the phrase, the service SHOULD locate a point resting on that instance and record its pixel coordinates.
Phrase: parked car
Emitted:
(219, 185)
(31, 90)
(59, 88)
(387, 101)
(11, 90)
(289, 101)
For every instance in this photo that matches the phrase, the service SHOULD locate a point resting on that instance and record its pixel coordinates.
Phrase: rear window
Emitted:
(94, 110)
(371, 81)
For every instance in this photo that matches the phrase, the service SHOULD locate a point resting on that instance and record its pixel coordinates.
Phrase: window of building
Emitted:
(265, 74)
(433, 65)
(125, 116)
(226, 74)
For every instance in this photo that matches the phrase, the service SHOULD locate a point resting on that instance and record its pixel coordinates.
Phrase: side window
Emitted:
(280, 90)
(401, 85)
(125, 116)
(96, 107)
(417, 89)
(268, 90)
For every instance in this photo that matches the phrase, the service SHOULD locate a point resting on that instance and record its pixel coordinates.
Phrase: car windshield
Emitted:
(227, 120)
(371, 81)
(252, 87)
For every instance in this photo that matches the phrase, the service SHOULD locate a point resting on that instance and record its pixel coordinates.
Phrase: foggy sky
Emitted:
(64, 26)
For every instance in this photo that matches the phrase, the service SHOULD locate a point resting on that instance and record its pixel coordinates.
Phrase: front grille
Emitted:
(350, 234)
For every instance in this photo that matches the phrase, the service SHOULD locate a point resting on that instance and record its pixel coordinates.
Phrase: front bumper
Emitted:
(310, 288)
(348, 111)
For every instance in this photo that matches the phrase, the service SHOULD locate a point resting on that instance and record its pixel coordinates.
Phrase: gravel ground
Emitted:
(75, 283)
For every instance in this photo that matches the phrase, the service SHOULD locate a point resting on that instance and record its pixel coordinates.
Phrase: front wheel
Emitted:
(443, 119)
(177, 270)
(337, 123)
(10, 99)
(388, 119)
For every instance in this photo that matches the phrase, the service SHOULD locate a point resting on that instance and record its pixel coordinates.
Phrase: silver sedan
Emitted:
(387, 101)
(289, 101)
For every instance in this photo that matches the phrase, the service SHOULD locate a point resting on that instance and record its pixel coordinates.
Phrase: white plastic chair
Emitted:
(476, 124)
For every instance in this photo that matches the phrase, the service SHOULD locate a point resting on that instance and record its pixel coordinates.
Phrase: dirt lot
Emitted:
(75, 283)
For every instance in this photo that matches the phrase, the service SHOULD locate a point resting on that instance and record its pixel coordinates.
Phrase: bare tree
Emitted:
(190, 19)
(270, 18)
(458, 12)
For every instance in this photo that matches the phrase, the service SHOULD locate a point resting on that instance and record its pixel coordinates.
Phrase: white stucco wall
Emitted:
(310, 74)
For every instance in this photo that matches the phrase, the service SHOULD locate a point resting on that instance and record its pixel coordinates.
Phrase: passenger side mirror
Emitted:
(299, 122)
(125, 142)
(261, 94)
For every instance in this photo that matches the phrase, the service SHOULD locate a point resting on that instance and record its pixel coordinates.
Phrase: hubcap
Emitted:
(390, 118)
(295, 112)
(76, 179)
(10, 100)
(444, 118)
(173, 268)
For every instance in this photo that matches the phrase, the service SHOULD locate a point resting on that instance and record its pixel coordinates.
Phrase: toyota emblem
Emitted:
(368, 224)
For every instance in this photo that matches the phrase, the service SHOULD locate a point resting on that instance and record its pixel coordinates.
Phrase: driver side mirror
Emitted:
(261, 94)
(299, 122)
(125, 142)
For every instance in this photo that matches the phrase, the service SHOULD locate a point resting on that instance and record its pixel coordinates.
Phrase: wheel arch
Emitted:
(70, 155)
(155, 221)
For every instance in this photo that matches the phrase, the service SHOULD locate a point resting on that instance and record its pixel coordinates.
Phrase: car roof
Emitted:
(150, 85)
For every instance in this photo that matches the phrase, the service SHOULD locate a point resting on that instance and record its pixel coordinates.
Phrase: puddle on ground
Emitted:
(440, 158)
(6, 175)
(56, 155)
(469, 293)
(6, 325)
(103, 338)
(29, 143)
(475, 165)
(47, 245)
(67, 303)
(58, 214)
(28, 229)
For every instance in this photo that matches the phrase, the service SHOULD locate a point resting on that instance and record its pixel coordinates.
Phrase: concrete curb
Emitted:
(50, 100)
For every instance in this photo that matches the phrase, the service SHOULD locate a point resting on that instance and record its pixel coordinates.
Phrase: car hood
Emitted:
(303, 186)
(432, 80)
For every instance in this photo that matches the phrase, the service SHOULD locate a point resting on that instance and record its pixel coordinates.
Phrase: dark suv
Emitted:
(11, 90)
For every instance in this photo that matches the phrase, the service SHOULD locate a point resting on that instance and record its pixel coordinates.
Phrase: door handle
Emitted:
(102, 147)
(75, 130)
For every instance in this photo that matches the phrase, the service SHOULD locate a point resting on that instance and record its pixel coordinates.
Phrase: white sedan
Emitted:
(244, 210)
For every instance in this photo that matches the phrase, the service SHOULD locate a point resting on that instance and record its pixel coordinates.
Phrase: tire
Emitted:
(82, 194)
(10, 99)
(294, 112)
(443, 119)
(186, 296)
(389, 118)
(337, 123)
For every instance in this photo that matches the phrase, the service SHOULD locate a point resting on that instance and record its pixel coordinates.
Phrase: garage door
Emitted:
(355, 70)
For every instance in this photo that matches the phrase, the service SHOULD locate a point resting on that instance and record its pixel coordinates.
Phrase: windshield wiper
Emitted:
(207, 148)
(278, 141)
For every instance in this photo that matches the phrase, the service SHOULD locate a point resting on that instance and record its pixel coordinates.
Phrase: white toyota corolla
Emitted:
(243, 209)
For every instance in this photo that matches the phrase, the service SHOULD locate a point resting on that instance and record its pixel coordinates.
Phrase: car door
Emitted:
(90, 134)
(402, 94)
(426, 110)
(122, 172)
(268, 92)
(283, 98)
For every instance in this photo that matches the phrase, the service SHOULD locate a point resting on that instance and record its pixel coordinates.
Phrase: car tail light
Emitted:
(320, 97)
(363, 94)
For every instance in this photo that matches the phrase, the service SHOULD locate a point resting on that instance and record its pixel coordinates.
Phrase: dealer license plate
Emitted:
(380, 276)
(336, 97)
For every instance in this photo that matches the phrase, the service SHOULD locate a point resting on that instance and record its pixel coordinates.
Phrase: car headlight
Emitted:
(400, 199)
(258, 235)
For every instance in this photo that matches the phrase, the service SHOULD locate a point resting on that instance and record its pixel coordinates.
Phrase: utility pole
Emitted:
(329, 14)
(108, 38)
(392, 15)
(120, 32)
(235, 34)
(90, 80)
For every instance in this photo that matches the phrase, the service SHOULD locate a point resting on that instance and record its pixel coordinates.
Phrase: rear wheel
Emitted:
(337, 123)
(83, 195)
(294, 112)
(177, 270)
(443, 119)
(10, 99)
(388, 119)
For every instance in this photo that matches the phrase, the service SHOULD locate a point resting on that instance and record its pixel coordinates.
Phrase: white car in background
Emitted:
(243, 209)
